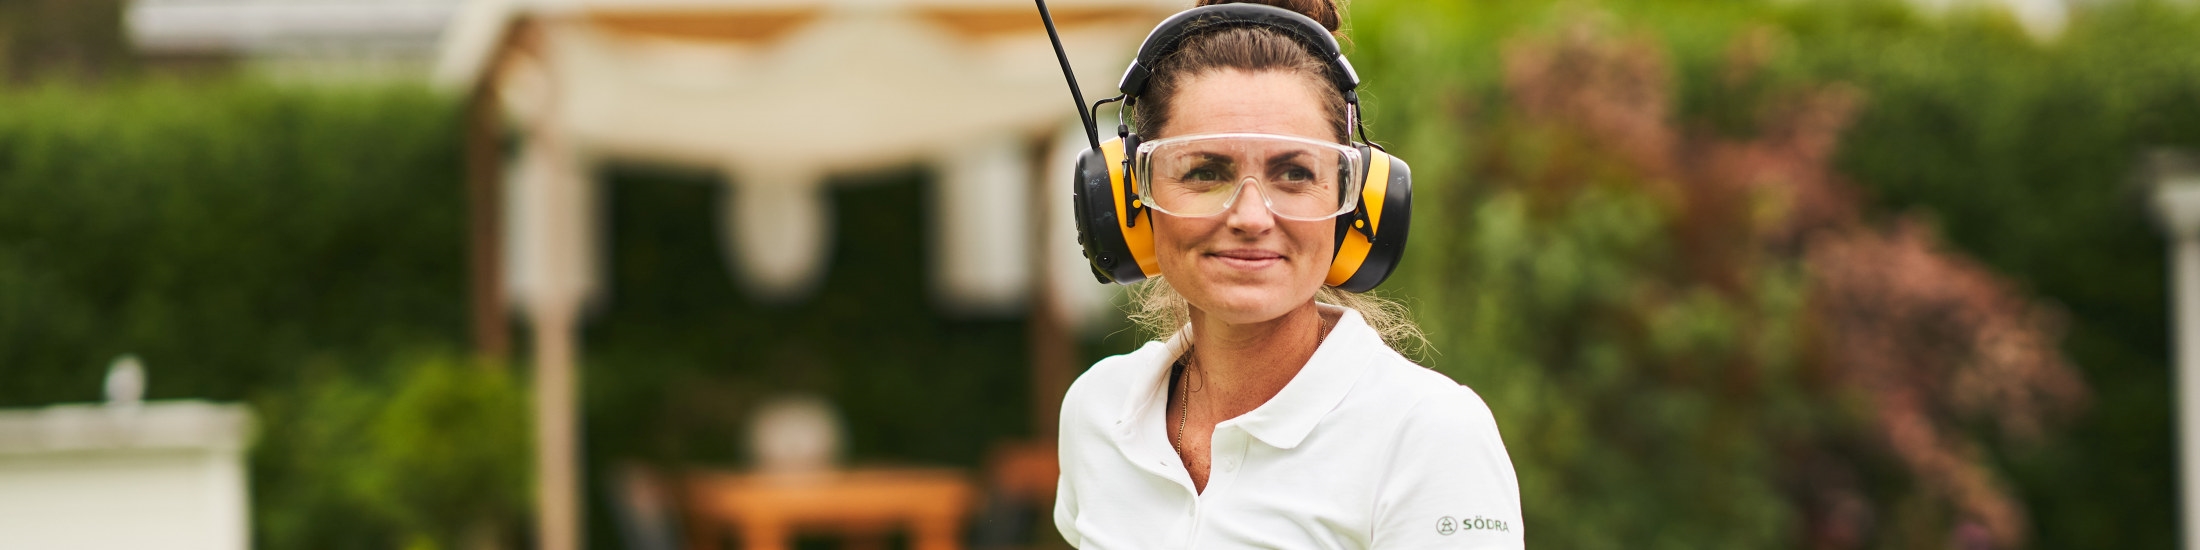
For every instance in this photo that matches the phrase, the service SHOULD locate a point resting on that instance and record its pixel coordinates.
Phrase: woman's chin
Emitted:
(1234, 291)
(1249, 303)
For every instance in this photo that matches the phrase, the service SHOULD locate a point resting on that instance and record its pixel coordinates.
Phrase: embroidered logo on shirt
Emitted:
(1446, 525)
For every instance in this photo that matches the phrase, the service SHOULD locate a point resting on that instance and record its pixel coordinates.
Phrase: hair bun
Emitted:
(1321, 11)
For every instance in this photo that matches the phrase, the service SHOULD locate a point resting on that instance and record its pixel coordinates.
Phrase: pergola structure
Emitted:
(775, 94)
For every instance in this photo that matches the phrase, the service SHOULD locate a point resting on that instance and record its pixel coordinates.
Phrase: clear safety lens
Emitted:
(1202, 175)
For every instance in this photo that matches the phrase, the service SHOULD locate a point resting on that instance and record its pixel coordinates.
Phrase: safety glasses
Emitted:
(1202, 175)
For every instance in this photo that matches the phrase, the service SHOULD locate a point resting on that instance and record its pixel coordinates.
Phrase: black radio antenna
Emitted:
(1092, 133)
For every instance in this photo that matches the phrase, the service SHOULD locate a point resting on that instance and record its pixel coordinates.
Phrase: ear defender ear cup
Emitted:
(1371, 239)
(1113, 225)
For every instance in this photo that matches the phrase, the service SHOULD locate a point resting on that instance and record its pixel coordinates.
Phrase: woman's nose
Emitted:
(1249, 211)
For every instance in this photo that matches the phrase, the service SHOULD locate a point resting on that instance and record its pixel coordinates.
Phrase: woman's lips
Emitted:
(1246, 258)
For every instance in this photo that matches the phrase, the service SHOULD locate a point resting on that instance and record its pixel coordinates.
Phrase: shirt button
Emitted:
(1229, 464)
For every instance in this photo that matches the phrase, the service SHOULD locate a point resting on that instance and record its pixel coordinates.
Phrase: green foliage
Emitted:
(432, 455)
(2023, 154)
(1563, 306)
(236, 236)
(1550, 325)
(227, 234)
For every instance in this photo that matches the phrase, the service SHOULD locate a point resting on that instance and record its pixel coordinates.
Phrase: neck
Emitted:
(1245, 364)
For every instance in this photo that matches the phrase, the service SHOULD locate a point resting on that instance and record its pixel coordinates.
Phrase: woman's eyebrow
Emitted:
(1206, 157)
(1285, 156)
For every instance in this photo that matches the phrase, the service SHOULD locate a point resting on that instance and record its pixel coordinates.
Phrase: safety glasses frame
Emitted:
(1142, 174)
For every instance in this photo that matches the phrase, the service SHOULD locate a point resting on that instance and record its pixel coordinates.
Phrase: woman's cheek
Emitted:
(1172, 247)
(1314, 244)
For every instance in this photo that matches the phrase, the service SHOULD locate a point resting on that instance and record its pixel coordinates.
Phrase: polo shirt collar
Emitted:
(1286, 419)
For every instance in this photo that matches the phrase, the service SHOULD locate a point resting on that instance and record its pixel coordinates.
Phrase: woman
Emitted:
(1276, 415)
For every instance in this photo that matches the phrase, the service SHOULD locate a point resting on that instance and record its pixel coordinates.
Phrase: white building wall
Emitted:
(167, 475)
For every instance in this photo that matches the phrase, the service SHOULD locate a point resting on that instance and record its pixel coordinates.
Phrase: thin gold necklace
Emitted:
(1184, 399)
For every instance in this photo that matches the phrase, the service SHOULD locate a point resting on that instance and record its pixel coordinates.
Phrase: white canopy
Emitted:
(779, 94)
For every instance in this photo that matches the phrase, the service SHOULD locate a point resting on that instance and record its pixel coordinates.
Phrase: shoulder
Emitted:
(1411, 398)
(1436, 414)
(1448, 470)
(1429, 399)
(1441, 405)
(1438, 428)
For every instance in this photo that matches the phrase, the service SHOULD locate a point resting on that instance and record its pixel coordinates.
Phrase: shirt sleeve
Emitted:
(1065, 512)
(1450, 483)
(1065, 451)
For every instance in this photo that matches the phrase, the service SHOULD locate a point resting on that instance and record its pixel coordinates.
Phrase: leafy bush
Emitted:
(1671, 375)
(435, 454)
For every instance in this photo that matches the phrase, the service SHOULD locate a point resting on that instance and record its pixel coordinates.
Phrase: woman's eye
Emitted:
(1295, 174)
(1203, 174)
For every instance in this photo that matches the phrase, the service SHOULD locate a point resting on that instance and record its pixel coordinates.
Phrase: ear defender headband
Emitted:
(1115, 227)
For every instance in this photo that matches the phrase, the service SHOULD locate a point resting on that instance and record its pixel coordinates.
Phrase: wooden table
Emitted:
(769, 509)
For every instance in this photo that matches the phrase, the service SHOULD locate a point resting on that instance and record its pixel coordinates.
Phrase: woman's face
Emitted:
(1245, 265)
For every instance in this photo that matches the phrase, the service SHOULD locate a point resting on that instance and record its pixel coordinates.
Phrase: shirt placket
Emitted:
(1226, 453)
(1151, 451)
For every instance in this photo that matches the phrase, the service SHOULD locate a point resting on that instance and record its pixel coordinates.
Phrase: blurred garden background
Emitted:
(1731, 274)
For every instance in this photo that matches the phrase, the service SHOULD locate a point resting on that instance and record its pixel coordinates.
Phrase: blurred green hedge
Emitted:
(229, 234)
(297, 249)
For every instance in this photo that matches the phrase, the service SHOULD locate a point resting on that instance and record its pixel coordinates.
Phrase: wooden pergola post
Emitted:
(1053, 352)
(484, 134)
(557, 190)
(558, 263)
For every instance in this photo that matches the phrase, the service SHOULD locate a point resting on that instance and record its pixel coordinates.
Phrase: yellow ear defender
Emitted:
(1116, 229)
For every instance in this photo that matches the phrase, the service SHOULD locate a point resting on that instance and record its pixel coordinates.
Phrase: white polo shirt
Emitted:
(1362, 449)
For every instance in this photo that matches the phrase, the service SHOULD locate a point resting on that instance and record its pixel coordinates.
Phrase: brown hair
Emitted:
(1250, 49)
